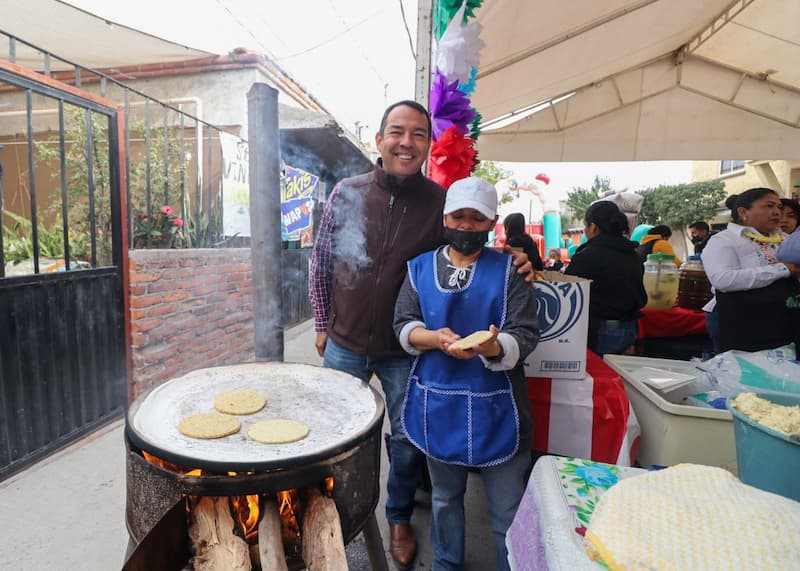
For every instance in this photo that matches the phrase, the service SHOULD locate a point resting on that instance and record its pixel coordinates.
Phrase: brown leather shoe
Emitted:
(403, 544)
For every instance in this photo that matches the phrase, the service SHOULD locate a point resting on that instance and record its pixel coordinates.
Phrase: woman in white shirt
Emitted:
(751, 286)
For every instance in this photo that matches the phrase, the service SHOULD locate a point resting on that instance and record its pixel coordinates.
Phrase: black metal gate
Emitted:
(63, 363)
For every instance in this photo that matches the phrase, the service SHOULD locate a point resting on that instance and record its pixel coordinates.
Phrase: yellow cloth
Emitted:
(661, 246)
(690, 517)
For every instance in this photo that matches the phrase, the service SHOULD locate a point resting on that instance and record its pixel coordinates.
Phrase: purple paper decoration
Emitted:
(449, 106)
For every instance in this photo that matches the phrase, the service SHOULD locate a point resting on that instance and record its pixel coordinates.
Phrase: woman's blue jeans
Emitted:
(712, 325)
(407, 462)
(614, 337)
(504, 486)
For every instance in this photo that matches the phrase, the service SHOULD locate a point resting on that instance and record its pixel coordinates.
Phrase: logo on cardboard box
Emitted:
(559, 306)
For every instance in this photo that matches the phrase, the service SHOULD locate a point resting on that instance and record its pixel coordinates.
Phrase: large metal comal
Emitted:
(344, 416)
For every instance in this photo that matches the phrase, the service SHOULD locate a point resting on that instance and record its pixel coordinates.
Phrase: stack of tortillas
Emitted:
(210, 425)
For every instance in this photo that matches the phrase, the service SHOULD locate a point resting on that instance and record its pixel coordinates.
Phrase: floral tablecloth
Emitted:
(562, 492)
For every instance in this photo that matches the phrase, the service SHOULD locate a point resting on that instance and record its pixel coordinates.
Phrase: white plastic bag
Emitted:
(770, 371)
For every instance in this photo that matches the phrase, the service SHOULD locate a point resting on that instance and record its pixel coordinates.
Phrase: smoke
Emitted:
(349, 247)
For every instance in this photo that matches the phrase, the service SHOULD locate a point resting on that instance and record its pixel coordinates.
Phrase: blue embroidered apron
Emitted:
(458, 411)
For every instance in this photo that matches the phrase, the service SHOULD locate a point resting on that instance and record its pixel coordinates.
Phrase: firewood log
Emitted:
(270, 543)
(215, 545)
(323, 543)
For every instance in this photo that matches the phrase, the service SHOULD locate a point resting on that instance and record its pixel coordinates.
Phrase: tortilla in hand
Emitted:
(472, 340)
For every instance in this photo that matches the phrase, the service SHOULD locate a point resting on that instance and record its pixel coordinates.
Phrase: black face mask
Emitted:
(696, 239)
(464, 242)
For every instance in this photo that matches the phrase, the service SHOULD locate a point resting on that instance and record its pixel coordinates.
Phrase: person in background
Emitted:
(372, 225)
(617, 292)
(516, 237)
(468, 408)
(751, 286)
(700, 233)
(656, 241)
(554, 262)
(790, 215)
(789, 250)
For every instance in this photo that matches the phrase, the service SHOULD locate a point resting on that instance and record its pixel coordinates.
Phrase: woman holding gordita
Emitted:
(749, 311)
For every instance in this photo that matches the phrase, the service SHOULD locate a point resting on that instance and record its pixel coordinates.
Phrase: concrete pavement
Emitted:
(68, 511)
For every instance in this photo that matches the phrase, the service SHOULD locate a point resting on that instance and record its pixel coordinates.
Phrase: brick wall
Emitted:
(189, 309)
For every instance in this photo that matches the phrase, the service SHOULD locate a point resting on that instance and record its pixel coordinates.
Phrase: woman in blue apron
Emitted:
(468, 408)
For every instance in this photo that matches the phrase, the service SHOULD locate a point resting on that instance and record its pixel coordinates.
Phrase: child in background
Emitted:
(468, 407)
(554, 260)
(516, 237)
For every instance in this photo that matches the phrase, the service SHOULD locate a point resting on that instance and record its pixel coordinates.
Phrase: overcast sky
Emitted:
(354, 56)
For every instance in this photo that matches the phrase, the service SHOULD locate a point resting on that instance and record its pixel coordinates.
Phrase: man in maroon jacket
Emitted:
(372, 225)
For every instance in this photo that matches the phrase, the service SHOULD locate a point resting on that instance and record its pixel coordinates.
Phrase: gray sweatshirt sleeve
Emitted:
(407, 315)
(520, 333)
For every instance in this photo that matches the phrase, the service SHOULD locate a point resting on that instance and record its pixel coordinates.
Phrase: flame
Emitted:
(288, 508)
(245, 510)
(163, 463)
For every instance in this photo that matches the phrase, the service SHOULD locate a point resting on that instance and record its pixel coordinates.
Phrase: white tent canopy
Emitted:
(81, 38)
(590, 80)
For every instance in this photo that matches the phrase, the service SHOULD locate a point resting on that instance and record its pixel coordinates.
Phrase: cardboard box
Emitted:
(562, 304)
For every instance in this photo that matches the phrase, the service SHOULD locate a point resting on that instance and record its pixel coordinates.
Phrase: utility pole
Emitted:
(422, 83)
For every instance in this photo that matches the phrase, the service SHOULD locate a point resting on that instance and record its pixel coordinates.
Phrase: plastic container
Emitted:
(768, 459)
(660, 281)
(694, 289)
(675, 433)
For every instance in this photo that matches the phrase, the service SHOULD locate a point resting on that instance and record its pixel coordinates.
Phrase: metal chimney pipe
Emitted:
(265, 221)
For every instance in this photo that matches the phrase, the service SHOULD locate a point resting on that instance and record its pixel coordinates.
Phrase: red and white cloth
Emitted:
(590, 418)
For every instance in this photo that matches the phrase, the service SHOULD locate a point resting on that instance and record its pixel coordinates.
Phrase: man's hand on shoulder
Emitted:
(320, 342)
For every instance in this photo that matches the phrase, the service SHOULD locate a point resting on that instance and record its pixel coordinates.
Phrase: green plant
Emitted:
(159, 176)
(490, 171)
(205, 232)
(82, 208)
(162, 229)
(579, 199)
(681, 204)
(18, 243)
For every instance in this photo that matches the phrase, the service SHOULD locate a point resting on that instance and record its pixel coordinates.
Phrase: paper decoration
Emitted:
(458, 50)
(469, 87)
(449, 107)
(475, 127)
(447, 9)
(452, 157)
(455, 122)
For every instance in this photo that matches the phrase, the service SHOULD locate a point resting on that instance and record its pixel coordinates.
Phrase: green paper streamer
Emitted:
(474, 128)
(446, 9)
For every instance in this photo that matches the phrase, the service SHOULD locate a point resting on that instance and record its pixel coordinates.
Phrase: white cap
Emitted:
(472, 192)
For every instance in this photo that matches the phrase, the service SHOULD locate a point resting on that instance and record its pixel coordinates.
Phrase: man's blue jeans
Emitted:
(504, 485)
(407, 462)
